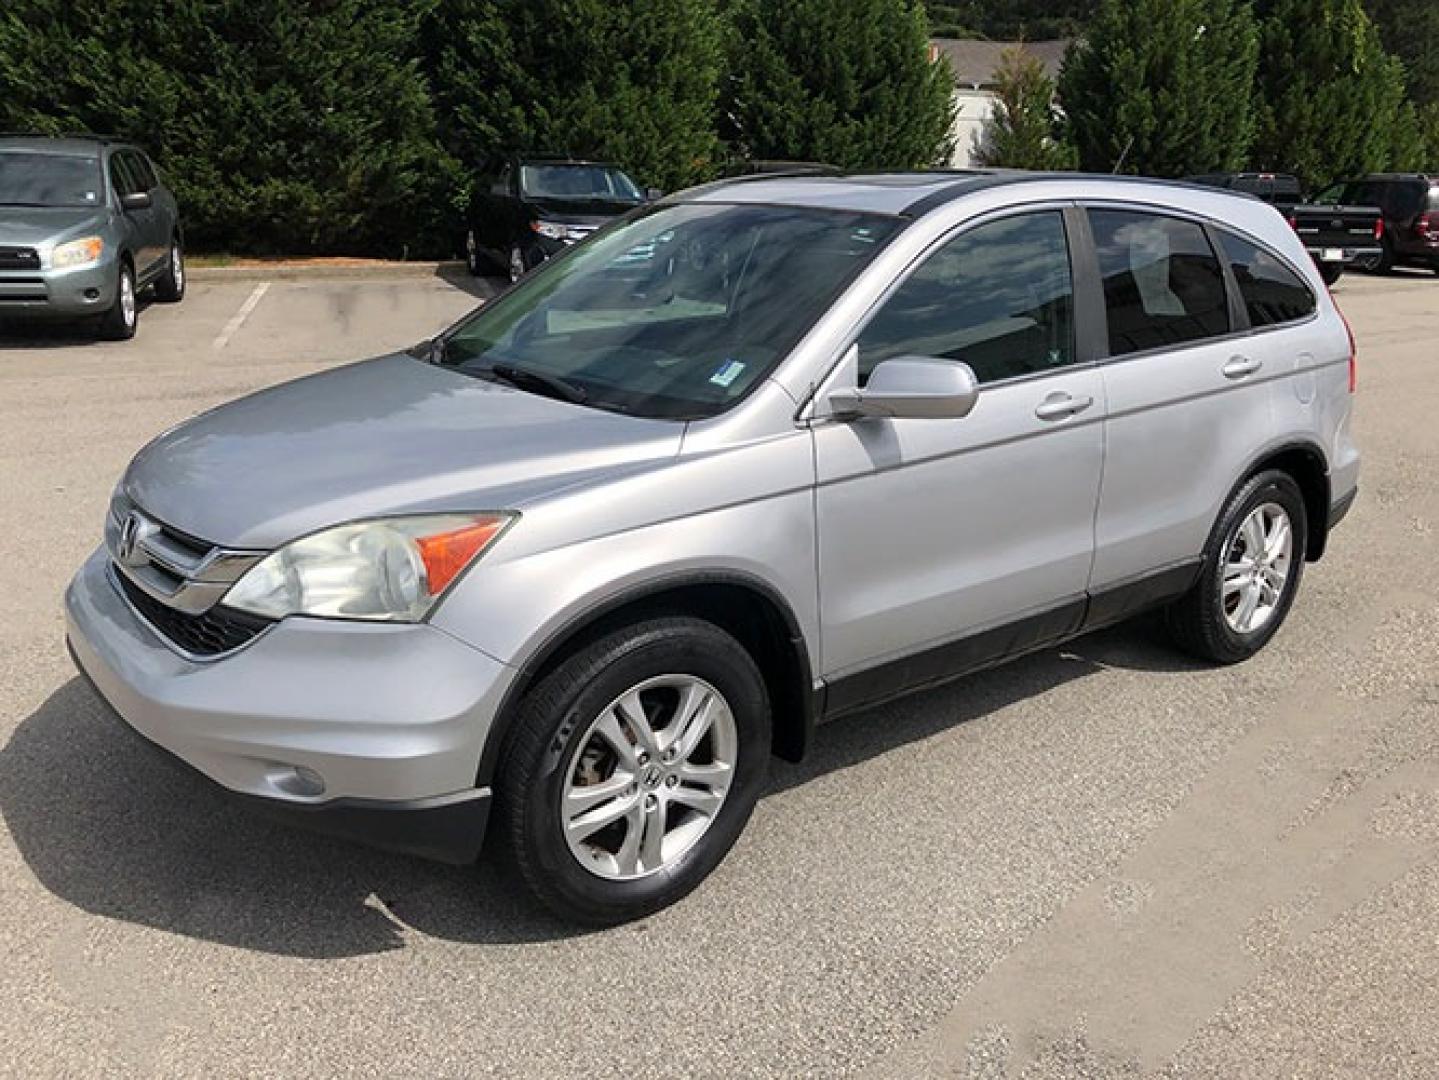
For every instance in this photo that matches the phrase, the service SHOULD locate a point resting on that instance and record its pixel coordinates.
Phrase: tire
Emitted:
(474, 262)
(170, 286)
(119, 323)
(1331, 273)
(1208, 621)
(1385, 263)
(554, 751)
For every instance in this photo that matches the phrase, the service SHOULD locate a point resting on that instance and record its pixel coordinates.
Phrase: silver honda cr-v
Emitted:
(760, 454)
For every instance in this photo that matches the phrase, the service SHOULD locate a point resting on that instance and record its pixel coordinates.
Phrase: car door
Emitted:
(945, 544)
(129, 179)
(1189, 401)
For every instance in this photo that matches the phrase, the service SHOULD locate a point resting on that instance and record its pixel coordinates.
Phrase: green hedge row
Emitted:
(356, 126)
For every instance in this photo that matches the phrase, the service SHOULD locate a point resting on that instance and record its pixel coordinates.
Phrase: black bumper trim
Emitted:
(445, 828)
(1341, 506)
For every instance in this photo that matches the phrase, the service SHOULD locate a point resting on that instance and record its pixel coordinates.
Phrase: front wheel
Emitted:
(118, 324)
(1250, 575)
(632, 769)
(473, 262)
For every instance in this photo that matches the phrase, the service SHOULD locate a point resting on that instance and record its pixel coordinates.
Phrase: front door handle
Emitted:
(1060, 406)
(1241, 366)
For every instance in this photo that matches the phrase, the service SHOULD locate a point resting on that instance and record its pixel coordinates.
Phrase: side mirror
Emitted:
(912, 388)
(653, 194)
(139, 200)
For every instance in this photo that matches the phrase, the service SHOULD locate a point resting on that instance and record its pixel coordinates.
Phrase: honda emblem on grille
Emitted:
(133, 534)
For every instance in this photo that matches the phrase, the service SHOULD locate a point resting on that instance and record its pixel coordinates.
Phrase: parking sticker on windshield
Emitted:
(727, 373)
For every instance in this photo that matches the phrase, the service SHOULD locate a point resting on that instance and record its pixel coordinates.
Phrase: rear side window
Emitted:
(1272, 293)
(1163, 285)
(997, 297)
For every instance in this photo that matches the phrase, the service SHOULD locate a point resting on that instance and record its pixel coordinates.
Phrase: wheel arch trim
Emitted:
(792, 737)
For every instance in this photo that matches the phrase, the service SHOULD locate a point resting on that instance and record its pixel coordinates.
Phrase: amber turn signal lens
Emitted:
(446, 554)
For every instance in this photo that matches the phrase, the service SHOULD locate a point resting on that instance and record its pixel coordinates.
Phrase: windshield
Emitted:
(39, 179)
(675, 314)
(578, 182)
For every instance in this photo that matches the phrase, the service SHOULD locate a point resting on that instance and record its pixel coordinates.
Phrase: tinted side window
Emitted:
(124, 179)
(1162, 283)
(140, 166)
(998, 297)
(1272, 292)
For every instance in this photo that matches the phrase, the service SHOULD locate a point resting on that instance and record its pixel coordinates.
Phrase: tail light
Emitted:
(1379, 229)
(1293, 222)
(1353, 352)
(1428, 225)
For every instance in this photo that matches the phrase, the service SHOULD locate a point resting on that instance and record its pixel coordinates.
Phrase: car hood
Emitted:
(579, 211)
(35, 225)
(386, 436)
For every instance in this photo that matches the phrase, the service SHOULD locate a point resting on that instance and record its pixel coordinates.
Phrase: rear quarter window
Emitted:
(1163, 284)
(1272, 293)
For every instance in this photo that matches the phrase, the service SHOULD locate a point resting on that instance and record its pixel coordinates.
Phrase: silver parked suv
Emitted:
(761, 454)
(85, 224)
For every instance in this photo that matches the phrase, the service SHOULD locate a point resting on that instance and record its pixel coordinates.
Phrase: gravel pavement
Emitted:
(1100, 861)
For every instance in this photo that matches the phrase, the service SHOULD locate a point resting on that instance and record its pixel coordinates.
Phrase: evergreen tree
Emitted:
(1010, 20)
(1410, 30)
(1331, 102)
(848, 83)
(1022, 134)
(281, 127)
(630, 81)
(1163, 87)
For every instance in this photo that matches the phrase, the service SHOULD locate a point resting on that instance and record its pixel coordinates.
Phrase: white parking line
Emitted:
(251, 302)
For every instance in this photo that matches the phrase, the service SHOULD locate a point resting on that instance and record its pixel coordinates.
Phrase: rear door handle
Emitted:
(1240, 367)
(1060, 406)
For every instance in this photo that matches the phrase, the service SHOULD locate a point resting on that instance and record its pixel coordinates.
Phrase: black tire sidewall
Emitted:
(1276, 487)
(563, 708)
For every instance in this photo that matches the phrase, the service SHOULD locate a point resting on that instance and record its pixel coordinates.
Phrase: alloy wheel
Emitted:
(1257, 568)
(127, 299)
(649, 777)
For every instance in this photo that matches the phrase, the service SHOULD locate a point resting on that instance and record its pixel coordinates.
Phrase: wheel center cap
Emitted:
(654, 776)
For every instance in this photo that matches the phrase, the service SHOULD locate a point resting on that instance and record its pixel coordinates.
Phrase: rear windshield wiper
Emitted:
(537, 382)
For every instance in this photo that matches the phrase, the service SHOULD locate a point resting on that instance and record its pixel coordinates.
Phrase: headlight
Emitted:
(77, 252)
(555, 230)
(391, 569)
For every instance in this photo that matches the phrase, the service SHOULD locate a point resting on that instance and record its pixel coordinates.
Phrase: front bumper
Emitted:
(84, 290)
(391, 719)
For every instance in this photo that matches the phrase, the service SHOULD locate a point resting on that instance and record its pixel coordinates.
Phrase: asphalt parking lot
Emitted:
(1103, 860)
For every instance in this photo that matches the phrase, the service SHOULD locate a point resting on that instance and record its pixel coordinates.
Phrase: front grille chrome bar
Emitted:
(169, 566)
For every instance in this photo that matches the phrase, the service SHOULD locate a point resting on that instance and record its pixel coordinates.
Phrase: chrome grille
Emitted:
(19, 258)
(175, 581)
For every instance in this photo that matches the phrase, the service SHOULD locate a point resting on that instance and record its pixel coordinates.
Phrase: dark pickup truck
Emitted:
(1337, 237)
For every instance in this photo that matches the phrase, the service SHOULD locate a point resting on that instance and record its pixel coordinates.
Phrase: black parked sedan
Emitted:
(529, 208)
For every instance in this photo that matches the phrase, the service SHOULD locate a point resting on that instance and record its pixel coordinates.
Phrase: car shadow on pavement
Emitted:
(1139, 645)
(107, 825)
(24, 333)
(481, 288)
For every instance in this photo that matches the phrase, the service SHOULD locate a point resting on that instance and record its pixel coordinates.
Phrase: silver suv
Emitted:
(756, 456)
(85, 225)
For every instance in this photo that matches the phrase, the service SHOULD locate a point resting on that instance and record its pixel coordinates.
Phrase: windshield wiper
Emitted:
(537, 382)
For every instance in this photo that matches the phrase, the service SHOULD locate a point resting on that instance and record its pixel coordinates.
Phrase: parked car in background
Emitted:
(1338, 236)
(529, 208)
(85, 224)
(577, 568)
(1410, 205)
